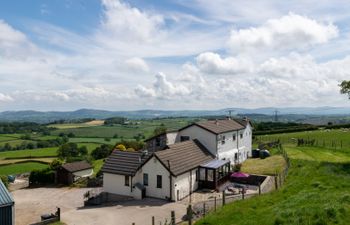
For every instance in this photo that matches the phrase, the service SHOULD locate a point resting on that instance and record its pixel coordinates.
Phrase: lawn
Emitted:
(40, 152)
(268, 166)
(21, 168)
(316, 192)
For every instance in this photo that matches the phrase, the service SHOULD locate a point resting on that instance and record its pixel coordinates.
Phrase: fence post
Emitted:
(59, 213)
(280, 178)
(189, 214)
(203, 209)
(259, 188)
(215, 203)
(153, 221)
(223, 198)
(242, 193)
(276, 184)
(172, 218)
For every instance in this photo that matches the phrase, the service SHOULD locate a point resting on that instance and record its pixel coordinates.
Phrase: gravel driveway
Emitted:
(31, 203)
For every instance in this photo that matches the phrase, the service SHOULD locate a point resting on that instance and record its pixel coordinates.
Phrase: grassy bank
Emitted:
(19, 168)
(317, 191)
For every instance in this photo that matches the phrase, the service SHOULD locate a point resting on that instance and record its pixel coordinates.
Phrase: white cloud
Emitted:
(212, 63)
(137, 64)
(5, 98)
(128, 23)
(288, 32)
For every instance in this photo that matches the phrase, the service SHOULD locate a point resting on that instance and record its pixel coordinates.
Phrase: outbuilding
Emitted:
(70, 172)
(7, 206)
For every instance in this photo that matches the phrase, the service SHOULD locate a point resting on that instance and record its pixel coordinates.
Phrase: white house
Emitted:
(178, 163)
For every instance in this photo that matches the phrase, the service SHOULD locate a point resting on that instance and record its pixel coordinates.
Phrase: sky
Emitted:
(175, 54)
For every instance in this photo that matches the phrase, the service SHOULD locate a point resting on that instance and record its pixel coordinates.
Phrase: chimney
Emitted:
(216, 122)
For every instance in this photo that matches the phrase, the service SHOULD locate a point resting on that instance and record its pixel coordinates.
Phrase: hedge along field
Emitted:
(19, 168)
(144, 127)
(112, 141)
(338, 138)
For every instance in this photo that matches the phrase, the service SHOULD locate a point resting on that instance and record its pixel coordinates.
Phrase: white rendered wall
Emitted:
(153, 168)
(182, 185)
(113, 183)
(205, 137)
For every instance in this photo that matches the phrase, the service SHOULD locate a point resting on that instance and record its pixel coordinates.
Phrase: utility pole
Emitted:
(276, 115)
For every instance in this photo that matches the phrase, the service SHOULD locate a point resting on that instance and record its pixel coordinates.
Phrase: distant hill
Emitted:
(50, 116)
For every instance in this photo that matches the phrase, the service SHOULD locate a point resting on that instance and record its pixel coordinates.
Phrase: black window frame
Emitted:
(145, 175)
(184, 138)
(127, 180)
(159, 181)
(234, 137)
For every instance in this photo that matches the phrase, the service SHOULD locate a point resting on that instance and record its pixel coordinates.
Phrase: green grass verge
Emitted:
(336, 138)
(268, 166)
(316, 192)
(97, 164)
(21, 168)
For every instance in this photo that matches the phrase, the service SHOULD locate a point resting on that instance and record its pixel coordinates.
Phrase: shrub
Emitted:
(102, 152)
(5, 180)
(45, 176)
(55, 164)
(121, 147)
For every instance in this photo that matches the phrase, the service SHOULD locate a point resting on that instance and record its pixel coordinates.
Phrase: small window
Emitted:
(159, 181)
(145, 179)
(223, 139)
(234, 137)
(236, 156)
(127, 181)
(184, 138)
(241, 135)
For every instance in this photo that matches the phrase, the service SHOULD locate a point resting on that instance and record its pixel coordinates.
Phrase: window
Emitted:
(210, 175)
(157, 141)
(202, 174)
(184, 138)
(236, 156)
(159, 181)
(145, 179)
(223, 139)
(234, 137)
(127, 180)
(241, 135)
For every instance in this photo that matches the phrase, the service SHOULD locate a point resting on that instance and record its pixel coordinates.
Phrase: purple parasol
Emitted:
(239, 175)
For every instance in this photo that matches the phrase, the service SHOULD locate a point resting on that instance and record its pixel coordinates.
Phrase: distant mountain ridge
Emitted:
(50, 116)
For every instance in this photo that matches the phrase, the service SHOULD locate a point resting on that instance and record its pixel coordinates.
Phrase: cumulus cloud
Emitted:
(288, 32)
(129, 23)
(137, 64)
(212, 63)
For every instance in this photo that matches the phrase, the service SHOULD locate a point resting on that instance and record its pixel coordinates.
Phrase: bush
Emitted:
(71, 150)
(5, 180)
(121, 147)
(102, 152)
(237, 167)
(45, 176)
(55, 164)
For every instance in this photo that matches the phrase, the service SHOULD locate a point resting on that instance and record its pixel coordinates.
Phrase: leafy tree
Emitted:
(55, 164)
(71, 150)
(159, 130)
(102, 152)
(345, 87)
(5, 180)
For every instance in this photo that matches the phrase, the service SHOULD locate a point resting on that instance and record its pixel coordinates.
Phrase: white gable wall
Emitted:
(205, 137)
(153, 168)
(171, 137)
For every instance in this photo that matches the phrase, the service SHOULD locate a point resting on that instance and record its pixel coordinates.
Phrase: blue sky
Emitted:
(175, 54)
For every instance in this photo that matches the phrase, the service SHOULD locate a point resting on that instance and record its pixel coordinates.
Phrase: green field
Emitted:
(317, 191)
(21, 168)
(40, 152)
(144, 127)
(337, 138)
(268, 166)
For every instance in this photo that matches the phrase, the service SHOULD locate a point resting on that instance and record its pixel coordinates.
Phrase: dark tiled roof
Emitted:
(5, 196)
(184, 156)
(220, 126)
(76, 166)
(124, 163)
